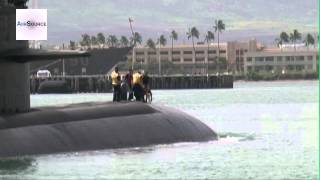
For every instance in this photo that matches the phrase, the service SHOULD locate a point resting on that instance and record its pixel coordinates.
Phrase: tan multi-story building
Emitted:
(241, 57)
(282, 61)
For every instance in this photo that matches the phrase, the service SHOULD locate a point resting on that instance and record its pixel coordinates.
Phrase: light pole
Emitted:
(134, 42)
(159, 57)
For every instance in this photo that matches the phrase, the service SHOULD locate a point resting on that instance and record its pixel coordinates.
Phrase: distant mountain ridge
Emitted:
(243, 19)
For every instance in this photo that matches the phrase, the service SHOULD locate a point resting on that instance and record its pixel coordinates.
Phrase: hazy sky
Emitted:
(69, 18)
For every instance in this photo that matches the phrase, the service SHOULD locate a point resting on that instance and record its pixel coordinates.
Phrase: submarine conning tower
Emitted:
(14, 77)
(14, 60)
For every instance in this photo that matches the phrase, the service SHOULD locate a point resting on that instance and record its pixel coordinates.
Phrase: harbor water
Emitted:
(267, 130)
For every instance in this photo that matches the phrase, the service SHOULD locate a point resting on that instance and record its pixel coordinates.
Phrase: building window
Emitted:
(241, 52)
(237, 59)
(199, 59)
(200, 52)
(164, 52)
(176, 60)
(309, 67)
(259, 59)
(175, 52)
(269, 59)
(258, 68)
(292, 58)
(212, 51)
(246, 50)
(152, 53)
(139, 53)
(300, 67)
(241, 59)
(187, 60)
(290, 67)
(222, 51)
(310, 58)
(211, 59)
(300, 58)
(279, 58)
(140, 60)
(249, 68)
(187, 52)
(269, 68)
(288, 58)
(249, 59)
(237, 51)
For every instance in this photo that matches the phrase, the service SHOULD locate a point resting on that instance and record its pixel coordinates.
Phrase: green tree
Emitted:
(124, 42)
(218, 28)
(283, 38)
(294, 37)
(173, 37)
(152, 46)
(85, 41)
(94, 40)
(309, 40)
(209, 37)
(101, 39)
(162, 40)
(136, 39)
(193, 33)
(112, 41)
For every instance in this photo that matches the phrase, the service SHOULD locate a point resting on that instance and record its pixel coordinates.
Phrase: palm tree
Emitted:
(208, 39)
(193, 33)
(283, 38)
(294, 37)
(162, 42)
(85, 41)
(137, 38)
(94, 40)
(152, 45)
(218, 28)
(112, 41)
(309, 40)
(101, 39)
(124, 42)
(173, 37)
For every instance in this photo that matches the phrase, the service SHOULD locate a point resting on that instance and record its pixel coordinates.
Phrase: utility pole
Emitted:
(134, 43)
(159, 56)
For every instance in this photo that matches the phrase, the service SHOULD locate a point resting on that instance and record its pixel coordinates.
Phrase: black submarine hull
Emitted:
(93, 126)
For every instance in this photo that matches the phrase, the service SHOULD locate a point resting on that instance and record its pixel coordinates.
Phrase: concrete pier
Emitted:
(101, 83)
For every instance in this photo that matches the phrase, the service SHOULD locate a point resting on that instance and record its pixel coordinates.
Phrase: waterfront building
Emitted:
(241, 57)
(281, 61)
(198, 60)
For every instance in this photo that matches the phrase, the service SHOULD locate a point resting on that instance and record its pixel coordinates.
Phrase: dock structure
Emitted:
(102, 83)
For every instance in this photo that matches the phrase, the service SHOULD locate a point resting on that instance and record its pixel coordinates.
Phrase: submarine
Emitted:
(97, 126)
(77, 127)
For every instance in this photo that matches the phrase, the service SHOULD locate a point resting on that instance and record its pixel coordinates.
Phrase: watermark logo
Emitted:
(31, 24)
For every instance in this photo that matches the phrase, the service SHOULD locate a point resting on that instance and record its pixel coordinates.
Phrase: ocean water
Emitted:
(268, 130)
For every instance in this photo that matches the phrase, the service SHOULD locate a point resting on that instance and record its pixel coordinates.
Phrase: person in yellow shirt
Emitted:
(137, 86)
(116, 81)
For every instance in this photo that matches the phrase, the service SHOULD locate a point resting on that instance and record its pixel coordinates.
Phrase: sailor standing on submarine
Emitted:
(116, 81)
